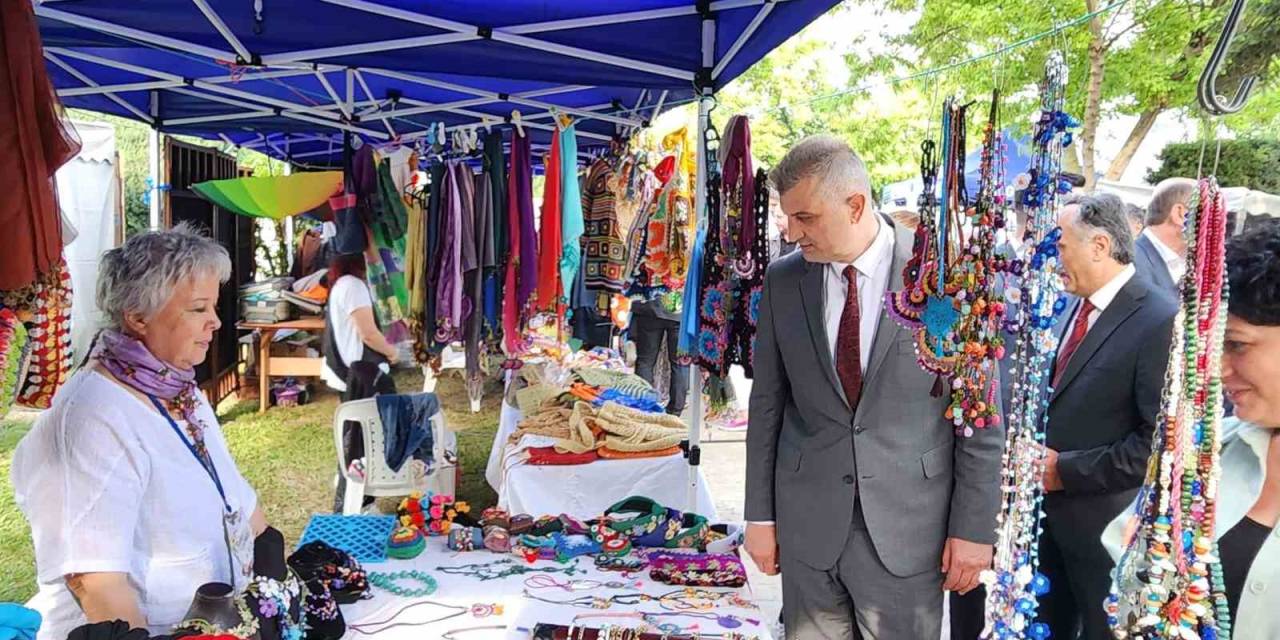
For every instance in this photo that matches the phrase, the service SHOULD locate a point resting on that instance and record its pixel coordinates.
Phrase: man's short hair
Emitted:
(1104, 213)
(829, 158)
(1170, 192)
(1136, 214)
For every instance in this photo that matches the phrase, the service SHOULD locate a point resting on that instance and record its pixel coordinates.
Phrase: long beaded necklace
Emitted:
(389, 582)
(688, 599)
(505, 568)
(1014, 584)
(1168, 583)
(949, 298)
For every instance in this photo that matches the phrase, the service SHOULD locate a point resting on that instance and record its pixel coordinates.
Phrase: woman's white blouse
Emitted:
(108, 486)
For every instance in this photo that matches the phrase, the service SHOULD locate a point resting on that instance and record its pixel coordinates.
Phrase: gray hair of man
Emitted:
(1104, 213)
(839, 170)
(140, 276)
(1170, 192)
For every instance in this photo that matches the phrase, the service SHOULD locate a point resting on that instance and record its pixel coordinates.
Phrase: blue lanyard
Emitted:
(206, 462)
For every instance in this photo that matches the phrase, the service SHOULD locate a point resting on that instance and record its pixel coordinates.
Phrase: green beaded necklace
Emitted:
(389, 582)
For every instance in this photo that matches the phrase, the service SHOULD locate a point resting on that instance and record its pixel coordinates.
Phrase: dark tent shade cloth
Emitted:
(188, 66)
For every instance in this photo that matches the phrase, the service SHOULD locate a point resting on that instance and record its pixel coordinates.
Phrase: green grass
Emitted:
(287, 456)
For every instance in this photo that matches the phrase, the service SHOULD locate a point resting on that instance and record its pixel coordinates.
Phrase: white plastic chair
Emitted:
(379, 479)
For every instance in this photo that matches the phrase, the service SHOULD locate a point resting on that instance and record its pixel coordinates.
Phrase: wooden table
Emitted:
(280, 365)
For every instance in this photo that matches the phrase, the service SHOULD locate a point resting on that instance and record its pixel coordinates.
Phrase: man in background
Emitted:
(1104, 399)
(1159, 252)
(1137, 218)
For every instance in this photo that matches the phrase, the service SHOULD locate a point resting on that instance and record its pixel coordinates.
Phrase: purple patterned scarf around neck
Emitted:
(133, 364)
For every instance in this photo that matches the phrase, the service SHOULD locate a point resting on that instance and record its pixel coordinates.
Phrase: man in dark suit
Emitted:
(1160, 251)
(1105, 396)
(857, 488)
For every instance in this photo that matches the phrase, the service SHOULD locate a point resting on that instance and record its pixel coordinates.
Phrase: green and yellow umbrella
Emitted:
(274, 197)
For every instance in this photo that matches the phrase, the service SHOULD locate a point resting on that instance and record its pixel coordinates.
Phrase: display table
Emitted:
(281, 366)
(586, 490)
(403, 618)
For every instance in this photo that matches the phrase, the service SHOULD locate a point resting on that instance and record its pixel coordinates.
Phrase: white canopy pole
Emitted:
(153, 164)
(694, 452)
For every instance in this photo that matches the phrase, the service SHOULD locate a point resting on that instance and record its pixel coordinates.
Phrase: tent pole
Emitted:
(153, 161)
(706, 88)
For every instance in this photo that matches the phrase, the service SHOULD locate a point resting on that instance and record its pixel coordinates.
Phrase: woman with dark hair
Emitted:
(352, 334)
(1249, 488)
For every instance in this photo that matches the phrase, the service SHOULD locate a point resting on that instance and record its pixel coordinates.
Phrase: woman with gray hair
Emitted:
(134, 500)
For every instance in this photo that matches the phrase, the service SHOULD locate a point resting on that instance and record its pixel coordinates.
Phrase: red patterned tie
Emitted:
(1078, 329)
(848, 355)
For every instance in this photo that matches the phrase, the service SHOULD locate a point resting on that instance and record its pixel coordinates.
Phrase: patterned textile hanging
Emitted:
(495, 169)
(735, 257)
(44, 308)
(1168, 583)
(448, 272)
(384, 254)
(15, 353)
(662, 230)
(603, 249)
(1014, 584)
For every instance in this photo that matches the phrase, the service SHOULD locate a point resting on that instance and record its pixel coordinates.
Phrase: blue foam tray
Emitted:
(364, 537)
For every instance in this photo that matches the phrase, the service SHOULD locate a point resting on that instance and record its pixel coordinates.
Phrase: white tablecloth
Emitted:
(518, 614)
(587, 490)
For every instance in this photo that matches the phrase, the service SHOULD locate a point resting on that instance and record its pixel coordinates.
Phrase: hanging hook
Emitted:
(1207, 89)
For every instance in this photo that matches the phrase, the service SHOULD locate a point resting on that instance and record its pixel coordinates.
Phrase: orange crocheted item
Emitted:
(609, 454)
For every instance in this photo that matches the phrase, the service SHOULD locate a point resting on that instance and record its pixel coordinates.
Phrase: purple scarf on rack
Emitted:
(133, 364)
(736, 163)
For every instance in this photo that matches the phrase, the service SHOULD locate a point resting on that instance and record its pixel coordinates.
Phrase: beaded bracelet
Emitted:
(620, 563)
(616, 547)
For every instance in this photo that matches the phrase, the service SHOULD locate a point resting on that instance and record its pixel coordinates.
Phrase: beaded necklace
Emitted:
(390, 582)
(1035, 290)
(505, 568)
(1168, 583)
(949, 298)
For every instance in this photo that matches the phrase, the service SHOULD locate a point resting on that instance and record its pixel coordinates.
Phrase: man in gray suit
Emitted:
(858, 491)
(1159, 251)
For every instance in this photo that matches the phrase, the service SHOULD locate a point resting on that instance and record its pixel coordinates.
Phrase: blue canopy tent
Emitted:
(295, 78)
(291, 79)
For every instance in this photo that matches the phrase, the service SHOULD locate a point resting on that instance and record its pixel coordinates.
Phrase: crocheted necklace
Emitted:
(949, 299)
(1168, 583)
(1035, 292)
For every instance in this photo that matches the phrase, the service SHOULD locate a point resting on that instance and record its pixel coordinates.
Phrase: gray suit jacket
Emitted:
(809, 456)
(1147, 260)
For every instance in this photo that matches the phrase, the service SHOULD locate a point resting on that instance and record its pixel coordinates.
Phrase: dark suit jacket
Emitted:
(1103, 412)
(810, 456)
(1146, 258)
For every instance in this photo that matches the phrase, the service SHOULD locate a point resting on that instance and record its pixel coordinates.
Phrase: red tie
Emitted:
(848, 355)
(1078, 329)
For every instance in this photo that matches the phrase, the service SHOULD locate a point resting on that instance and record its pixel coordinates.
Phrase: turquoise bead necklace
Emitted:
(390, 582)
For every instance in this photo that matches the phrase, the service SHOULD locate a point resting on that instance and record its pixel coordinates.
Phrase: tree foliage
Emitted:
(1248, 163)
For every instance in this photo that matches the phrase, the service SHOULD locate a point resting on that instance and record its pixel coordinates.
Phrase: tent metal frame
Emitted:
(345, 114)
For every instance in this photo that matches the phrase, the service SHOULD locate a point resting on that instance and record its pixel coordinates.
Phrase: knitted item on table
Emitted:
(605, 453)
(530, 398)
(568, 427)
(548, 456)
(622, 381)
(628, 429)
(406, 543)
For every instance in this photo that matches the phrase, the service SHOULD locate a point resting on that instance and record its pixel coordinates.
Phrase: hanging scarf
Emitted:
(550, 243)
(571, 222)
(37, 140)
(133, 364)
(522, 265)
(449, 283)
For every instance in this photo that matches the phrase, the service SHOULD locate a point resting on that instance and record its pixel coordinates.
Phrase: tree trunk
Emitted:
(1136, 135)
(1093, 95)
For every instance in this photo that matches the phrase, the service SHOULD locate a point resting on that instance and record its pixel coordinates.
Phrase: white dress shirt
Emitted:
(873, 268)
(1176, 264)
(1101, 299)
